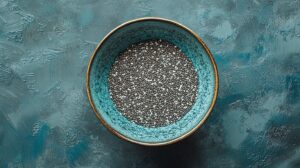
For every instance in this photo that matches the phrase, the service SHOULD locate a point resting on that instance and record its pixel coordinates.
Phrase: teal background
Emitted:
(46, 119)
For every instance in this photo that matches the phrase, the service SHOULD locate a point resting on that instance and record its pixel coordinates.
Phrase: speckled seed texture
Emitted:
(153, 83)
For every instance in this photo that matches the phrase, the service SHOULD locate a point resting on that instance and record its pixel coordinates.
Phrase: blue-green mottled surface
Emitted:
(45, 117)
(138, 32)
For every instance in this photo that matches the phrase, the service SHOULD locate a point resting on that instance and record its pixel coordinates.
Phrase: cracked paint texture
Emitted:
(46, 119)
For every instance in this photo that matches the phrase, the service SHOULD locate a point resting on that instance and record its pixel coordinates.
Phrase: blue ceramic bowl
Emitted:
(140, 30)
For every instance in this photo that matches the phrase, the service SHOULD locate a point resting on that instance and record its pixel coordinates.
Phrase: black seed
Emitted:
(153, 83)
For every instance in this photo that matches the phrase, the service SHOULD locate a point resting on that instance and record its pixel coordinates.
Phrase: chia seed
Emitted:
(153, 83)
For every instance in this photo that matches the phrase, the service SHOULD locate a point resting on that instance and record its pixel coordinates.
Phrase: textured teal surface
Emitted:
(47, 121)
(138, 32)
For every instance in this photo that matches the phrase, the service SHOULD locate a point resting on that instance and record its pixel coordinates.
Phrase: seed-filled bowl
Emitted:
(138, 31)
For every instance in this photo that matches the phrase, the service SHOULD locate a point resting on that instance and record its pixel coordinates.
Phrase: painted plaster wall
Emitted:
(46, 119)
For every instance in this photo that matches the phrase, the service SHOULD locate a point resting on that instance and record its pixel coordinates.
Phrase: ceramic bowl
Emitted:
(141, 30)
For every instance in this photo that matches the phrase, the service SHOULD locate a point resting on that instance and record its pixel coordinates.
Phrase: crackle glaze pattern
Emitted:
(46, 120)
(142, 31)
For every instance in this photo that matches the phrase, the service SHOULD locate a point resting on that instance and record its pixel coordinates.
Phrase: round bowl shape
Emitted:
(141, 30)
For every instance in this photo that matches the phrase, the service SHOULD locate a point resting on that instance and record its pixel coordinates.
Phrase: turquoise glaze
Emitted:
(139, 31)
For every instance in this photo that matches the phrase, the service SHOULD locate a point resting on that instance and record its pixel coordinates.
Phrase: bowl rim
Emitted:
(126, 138)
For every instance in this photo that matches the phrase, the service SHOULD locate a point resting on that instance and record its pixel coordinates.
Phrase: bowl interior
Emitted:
(117, 42)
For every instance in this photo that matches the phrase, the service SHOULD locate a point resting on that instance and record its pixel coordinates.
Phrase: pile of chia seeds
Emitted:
(153, 83)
